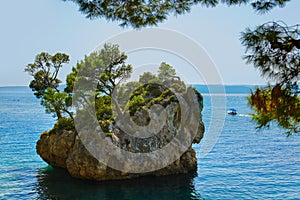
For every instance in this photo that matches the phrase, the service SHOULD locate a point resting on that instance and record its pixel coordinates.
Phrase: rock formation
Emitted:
(65, 148)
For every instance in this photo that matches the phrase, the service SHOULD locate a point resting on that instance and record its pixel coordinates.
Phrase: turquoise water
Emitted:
(244, 164)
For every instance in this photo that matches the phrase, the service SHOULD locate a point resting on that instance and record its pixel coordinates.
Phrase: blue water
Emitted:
(244, 164)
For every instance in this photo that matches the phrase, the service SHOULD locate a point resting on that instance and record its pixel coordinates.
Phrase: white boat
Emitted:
(232, 111)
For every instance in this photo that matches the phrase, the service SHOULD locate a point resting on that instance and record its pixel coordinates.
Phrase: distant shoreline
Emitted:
(225, 94)
(205, 90)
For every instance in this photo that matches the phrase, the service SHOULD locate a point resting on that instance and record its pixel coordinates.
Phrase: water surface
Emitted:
(244, 164)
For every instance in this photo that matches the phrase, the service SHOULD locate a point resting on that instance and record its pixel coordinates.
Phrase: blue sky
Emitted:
(32, 26)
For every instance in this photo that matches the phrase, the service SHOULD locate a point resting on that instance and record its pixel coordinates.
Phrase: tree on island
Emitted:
(148, 77)
(45, 84)
(109, 62)
(108, 69)
(166, 71)
(273, 48)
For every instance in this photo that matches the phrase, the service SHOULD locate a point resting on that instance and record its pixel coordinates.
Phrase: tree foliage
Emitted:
(148, 77)
(106, 69)
(141, 13)
(115, 70)
(276, 103)
(274, 49)
(45, 83)
(154, 89)
(166, 72)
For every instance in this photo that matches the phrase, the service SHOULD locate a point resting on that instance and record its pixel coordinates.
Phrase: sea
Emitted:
(241, 162)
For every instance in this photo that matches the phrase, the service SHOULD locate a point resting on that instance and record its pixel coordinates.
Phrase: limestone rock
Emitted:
(65, 149)
(55, 148)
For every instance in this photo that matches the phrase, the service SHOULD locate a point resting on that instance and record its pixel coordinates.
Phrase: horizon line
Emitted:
(213, 84)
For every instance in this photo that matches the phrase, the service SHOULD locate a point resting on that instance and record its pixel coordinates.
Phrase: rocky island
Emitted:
(154, 114)
(63, 148)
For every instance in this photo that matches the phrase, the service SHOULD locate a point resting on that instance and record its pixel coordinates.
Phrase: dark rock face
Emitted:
(66, 150)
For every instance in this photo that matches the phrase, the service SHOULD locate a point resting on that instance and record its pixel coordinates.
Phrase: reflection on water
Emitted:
(57, 184)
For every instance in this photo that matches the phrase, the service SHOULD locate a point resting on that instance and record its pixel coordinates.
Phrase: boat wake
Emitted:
(244, 115)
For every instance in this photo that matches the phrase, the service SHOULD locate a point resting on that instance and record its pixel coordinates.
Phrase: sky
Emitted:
(33, 26)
